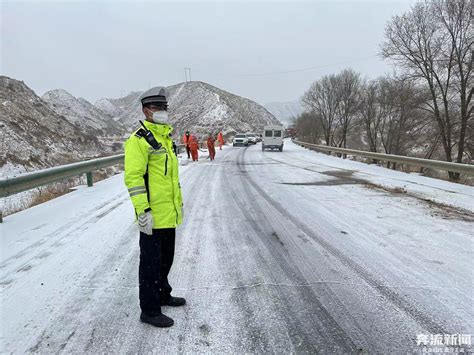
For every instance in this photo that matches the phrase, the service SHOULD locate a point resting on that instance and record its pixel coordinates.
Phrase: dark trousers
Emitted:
(156, 258)
(188, 150)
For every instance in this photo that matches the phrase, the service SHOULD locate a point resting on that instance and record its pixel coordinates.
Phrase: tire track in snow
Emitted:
(197, 328)
(253, 339)
(323, 322)
(424, 320)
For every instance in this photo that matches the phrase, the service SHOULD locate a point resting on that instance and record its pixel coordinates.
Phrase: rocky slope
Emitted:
(82, 113)
(33, 136)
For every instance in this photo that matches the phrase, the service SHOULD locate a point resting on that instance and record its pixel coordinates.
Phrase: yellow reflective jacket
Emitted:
(151, 176)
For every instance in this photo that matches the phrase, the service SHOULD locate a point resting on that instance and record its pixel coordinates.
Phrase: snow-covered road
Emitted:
(292, 251)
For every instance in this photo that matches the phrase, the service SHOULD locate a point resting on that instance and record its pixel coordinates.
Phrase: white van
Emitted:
(273, 137)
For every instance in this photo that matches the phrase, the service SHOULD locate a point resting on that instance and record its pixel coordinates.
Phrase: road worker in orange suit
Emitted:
(186, 141)
(210, 146)
(194, 146)
(221, 140)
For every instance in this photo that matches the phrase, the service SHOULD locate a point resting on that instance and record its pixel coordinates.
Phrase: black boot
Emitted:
(159, 320)
(174, 302)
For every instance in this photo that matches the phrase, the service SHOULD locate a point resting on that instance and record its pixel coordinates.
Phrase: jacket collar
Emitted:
(163, 130)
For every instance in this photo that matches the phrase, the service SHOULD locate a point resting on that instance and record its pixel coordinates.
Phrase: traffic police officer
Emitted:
(151, 176)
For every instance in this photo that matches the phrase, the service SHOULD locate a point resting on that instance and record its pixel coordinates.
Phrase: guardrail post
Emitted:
(89, 179)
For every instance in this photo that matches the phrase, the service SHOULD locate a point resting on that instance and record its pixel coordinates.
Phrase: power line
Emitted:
(309, 68)
(289, 71)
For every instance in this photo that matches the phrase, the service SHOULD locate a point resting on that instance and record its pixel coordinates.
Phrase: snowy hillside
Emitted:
(285, 111)
(198, 107)
(108, 107)
(82, 113)
(121, 107)
(126, 110)
(33, 136)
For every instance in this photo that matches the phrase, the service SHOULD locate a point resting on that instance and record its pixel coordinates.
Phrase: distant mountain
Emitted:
(125, 110)
(105, 105)
(59, 128)
(285, 111)
(198, 107)
(82, 113)
(33, 136)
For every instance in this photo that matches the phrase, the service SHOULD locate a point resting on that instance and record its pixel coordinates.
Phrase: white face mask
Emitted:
(161, 117)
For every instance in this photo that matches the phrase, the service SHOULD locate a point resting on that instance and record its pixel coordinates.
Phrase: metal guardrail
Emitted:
(34, 179)
(24, 182)
(425, 163)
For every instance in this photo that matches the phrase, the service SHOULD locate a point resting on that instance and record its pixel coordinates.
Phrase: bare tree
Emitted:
(348, 86)
(322, 100)
(434, 43)
(456, 18)
(376, 104)
(309, 128)
(404, 121)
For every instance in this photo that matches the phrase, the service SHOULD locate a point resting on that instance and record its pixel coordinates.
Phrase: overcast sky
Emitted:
(266, 51)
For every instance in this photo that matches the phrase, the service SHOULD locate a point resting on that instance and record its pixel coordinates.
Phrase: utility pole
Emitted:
(186, 71)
